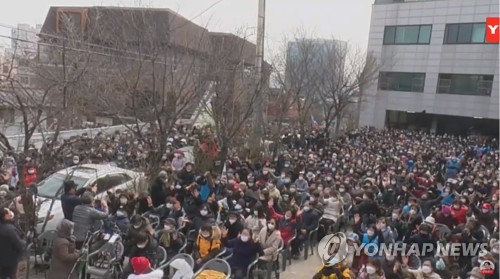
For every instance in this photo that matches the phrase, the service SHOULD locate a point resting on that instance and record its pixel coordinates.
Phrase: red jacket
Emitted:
(30, 178)
(286, 228)
(460, 214)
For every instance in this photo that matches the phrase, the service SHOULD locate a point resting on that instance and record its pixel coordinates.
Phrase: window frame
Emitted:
(83, 18)
(451, 89)
(406, 25)
(381, 73)
(445, 41)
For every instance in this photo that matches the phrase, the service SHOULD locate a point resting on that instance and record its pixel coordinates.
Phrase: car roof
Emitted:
(92, 170)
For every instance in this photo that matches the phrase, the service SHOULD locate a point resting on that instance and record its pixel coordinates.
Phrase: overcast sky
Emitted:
(347, 20)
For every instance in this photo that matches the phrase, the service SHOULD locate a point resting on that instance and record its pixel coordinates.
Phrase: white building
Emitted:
(436, 72)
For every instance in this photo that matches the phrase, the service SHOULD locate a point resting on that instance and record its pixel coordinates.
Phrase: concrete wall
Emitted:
(432, 59)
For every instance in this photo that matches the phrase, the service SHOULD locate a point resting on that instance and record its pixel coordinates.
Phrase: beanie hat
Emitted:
(140, 265)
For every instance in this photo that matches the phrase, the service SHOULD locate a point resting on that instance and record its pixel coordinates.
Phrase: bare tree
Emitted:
(296, 74)
(345, 72)
(233, 91)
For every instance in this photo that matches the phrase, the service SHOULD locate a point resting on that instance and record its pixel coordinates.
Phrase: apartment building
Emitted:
(437, 72)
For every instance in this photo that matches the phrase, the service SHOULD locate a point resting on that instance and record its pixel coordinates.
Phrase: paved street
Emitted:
(301, 269)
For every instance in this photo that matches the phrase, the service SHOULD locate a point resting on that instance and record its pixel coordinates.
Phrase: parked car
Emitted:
(107, 177)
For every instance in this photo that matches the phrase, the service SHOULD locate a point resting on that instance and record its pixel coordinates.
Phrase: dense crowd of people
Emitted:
(378, 186)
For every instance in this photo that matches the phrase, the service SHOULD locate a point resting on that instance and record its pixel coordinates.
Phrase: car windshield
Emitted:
(49, 187)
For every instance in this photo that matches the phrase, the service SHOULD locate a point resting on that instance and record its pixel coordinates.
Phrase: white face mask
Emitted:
(123, 201)
(244, 238)
(76, 162)
(31, 171)
(142, 246)
(306, 208)
(255, 213)
(413, 211)
(426, 269)
(168, 227)
(395, 216)
(341, 190)
(371, 270)
(203, 212)
(270, 227)
(170, 206)
(370, 233)
(232, 221)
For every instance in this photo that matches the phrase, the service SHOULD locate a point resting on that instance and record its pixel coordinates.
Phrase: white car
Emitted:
(107, 177)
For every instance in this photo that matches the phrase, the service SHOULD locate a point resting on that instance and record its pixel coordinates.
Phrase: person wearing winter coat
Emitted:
(208, 244)
(169, 238)
(12, 246)
(309, 220)
(286, 223)
(146, 247)
(142, 269)
(158, 189)
(372, 270)
(256, 220)
(182, 269)
(269, 239)
(85, 217)
(64, 253)
(425, 272)
(244, 250)
(459, 211)
(387, 232)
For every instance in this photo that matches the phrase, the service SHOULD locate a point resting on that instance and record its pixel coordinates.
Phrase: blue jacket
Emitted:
(371, 248)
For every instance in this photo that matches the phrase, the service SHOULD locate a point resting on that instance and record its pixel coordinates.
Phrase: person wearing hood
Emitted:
(425, 272)
(12, 246)
(64, 253)
(208, 244)
(142, 269)
(182, 269)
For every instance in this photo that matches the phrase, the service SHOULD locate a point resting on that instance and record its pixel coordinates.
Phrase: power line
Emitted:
(101, 46)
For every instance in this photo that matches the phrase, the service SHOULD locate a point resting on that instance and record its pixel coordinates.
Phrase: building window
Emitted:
(462, 84)
(465, 33)
(71, 20)
(409, 82)
(407, 35)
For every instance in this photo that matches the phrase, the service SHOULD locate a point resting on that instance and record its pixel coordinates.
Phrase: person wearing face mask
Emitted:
(233, 225)
(244, 249)
(444, 217)
(426, 203)
(309, 220)
(169, 239)
(147, 247)
(256, 220)
(332, 210)
(203, 217)
(274, 192)
(372, 270)
(283, 180)
(388, 234)
(425, 272)
(64, 253)
(368, 206)
(301, 184)
(269, 239)
(86, 218)
(424, 239)
(30, 174)
(12, 245)
(186, 176)
(459, 211)
(208, 244)
(286, 223)
(485, 216)
(371, 239)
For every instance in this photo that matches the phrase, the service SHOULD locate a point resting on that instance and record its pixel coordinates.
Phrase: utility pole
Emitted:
(258, 127)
